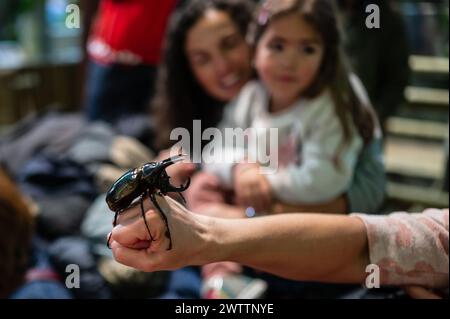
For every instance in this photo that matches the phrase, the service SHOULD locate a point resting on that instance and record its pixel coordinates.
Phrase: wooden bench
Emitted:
(429, 64)
(429, 197)
(415, 153)
(417, 128)
(429, 96)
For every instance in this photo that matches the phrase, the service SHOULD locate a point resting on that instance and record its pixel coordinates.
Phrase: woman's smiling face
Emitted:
(218, 55)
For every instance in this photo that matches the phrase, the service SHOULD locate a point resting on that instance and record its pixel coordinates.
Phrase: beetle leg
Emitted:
(108, 243)
(153, 199)
(143, 216)
(183, 200)
(172, 189)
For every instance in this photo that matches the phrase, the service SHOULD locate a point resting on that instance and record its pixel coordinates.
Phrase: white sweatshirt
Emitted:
(314, 165)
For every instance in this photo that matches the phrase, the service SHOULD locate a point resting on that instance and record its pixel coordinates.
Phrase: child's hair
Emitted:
(16, 228)
(179, 98)
(333, 73)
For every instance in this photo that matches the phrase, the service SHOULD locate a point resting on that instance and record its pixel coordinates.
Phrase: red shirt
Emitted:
(130, 31)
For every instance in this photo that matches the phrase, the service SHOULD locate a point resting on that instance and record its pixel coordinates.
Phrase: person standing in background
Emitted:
(123, 47)
(379, 56)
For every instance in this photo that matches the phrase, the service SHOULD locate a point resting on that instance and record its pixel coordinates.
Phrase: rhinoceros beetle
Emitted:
(145, 181)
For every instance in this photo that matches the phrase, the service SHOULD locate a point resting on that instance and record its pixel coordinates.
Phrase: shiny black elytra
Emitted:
(147, 180)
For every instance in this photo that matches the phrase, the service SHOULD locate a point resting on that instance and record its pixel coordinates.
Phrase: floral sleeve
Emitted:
(410, 249)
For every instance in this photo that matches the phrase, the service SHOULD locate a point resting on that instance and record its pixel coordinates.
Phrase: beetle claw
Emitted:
(173, 189)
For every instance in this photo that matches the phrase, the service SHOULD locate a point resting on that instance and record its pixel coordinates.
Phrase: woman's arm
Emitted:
(297, 246)
(318, 247)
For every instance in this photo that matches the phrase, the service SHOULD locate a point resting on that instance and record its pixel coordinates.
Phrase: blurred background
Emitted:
(64, 163)
(40, 58)
(42, 68)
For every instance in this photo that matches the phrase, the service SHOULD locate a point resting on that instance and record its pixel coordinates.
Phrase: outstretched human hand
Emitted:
(132, 246)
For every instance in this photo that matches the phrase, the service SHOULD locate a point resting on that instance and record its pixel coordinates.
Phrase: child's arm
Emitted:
(252, 189)
(366, 192)
(327, 165)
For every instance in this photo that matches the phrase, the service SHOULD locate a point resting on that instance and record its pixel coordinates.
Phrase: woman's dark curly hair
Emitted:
(179, 98)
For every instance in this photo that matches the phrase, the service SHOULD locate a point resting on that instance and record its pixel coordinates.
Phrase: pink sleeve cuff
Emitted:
(410, 249)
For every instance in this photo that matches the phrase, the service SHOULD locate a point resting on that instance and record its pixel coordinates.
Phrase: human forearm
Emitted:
(326, 248)
(296, 246)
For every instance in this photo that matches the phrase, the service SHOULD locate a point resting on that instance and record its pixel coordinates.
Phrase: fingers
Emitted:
(257, 195)
(131, 233)
(131, 230)
(205, 197)
(171, 204)
(266, 195)
(181, 172)
(211, 196)
(205, 181)
(257, 198)
(417, 292)
(204, 189)
(163, 203)
(145, 244)
(136, 258)
(251, 199)
(142, 259)
(133, 212)
(132, 245)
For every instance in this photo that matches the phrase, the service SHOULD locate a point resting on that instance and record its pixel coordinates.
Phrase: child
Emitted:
(304, 91)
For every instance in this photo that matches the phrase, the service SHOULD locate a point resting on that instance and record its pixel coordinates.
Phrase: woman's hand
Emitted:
(132, 246)
(252, 189)
(205, 189)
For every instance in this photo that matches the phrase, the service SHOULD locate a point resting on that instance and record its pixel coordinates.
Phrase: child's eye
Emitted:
(309, 49)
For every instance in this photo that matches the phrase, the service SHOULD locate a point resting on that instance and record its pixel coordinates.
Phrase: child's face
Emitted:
(288, 59)
(218, 55)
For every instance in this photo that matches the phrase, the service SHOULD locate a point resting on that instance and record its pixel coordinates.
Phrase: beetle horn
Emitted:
(172, 160)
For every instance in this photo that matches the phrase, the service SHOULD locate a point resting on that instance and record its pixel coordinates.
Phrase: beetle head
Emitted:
(156, 176)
